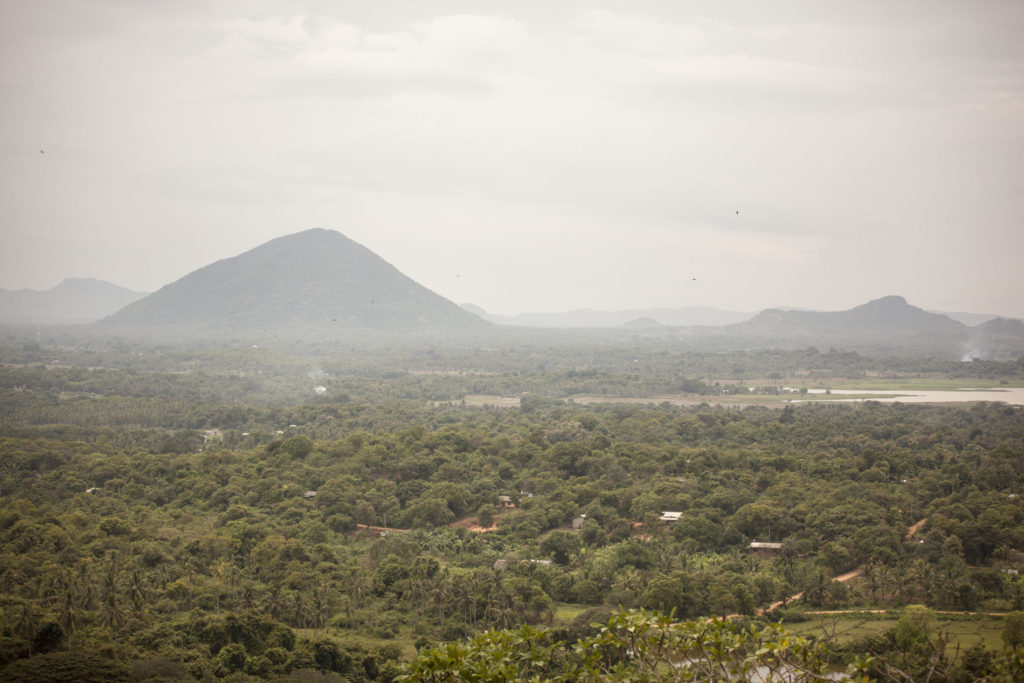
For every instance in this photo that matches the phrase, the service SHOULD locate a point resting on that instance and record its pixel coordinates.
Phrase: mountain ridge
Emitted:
(886, 315)
(588, 317)
(74, 300)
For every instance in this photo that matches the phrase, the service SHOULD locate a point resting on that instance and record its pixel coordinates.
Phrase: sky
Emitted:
(527, 156)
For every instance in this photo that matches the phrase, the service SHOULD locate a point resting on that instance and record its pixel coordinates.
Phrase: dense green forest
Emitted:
(171, 514)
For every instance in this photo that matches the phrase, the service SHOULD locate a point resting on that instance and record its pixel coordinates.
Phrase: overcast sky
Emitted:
(527, 156)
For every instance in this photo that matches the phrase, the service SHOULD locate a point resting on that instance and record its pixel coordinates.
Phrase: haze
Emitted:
(523, 156)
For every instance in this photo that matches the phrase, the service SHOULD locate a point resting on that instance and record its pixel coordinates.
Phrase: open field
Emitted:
(483, 400)
(565, 613)
(964, 630)
(737, 400)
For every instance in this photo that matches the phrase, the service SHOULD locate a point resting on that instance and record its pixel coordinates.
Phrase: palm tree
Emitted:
(438, 591)
(357, 586)
(500, 602)
(300, 611)
(110, 610)
(247, 596)
(68, 614)
(9, 581)
(275, 602)
(899, 577)
(26, 621)
(137, 592)
(190, 572)
(321, 607)
(84, 586)
(221, 569)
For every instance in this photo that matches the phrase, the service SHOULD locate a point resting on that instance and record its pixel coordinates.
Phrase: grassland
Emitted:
(963, 630)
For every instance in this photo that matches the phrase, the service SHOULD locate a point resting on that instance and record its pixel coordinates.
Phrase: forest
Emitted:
(344, 514)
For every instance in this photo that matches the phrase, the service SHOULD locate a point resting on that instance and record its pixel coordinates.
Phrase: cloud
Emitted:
(563, 142)
(323, 57)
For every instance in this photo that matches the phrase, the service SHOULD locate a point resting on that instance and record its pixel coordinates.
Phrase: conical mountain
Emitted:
(317, 280)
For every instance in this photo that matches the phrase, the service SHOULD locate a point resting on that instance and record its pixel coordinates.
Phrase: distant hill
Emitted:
(313, 282)
(75, 300)
(640, 324)
(969, 319)
(885, 326)
(889, 324)
(998, 338)
(585, 317)
(890, 315)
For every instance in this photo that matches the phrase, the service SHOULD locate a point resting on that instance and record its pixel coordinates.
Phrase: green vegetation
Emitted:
(204, 514)
(633, 646)
(642, 647)
(848, 627)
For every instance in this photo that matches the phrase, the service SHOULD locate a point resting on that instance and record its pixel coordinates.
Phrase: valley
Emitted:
(187, 495)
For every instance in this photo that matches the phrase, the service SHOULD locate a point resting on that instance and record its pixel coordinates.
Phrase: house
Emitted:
(670, 516)
(505, 502)
(764, 547)
(577, 521)
(309, 494)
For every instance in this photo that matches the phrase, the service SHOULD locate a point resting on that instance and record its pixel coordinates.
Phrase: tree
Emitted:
(298, 447)
(429, 512)
(232, 656)
(48, 638)
(663, 593)
(1013, 630)
(913, 627)
(561, 545)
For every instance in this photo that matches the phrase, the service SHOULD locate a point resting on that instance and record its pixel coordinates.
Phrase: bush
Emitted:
(232, 657)
(59, 667)
(157, 668)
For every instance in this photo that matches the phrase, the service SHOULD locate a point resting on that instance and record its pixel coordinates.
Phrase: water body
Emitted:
(1013, 396)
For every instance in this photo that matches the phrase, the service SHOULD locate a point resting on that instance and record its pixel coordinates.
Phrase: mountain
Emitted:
(75, 300)
(644, 323)
(969, 319)
(585, 317)
(317, 281)
(1000, 338)
(890, 315)
(883, 325)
